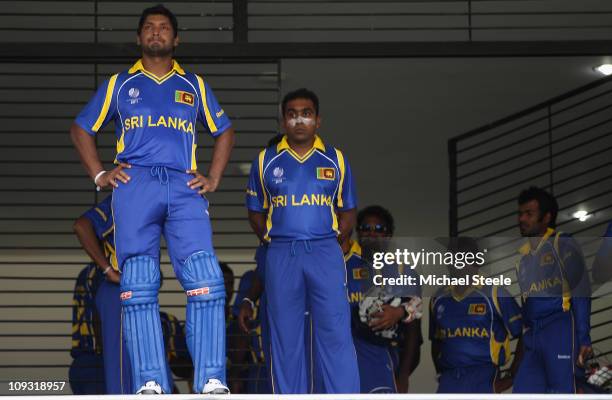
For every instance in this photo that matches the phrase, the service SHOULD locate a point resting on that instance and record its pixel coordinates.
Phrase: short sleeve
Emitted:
(100, 109)
(210, 113)
(346, 199)
(509, 311)
(101, 217)
(256, 197)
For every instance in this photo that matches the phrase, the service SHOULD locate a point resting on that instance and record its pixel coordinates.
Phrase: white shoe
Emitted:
(151, 387)
(214, 386)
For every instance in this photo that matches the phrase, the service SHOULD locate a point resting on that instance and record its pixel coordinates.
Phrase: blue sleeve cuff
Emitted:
(221, 129)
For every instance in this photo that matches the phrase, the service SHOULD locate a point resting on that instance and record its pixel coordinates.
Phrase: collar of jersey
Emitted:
(284, 145)
(139, 67)
(526, 248)
(465, 294)
(355, 249)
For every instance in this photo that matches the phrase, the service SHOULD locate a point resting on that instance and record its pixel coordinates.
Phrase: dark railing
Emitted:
(261, 21)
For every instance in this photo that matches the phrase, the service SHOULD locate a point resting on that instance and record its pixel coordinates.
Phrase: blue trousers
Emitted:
(473, 379)
(312, 273)
(86, 374)
(117, 370)
(158, 201)
(549, 357)
(377, 365)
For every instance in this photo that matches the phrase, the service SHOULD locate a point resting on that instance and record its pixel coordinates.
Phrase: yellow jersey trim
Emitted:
(354, 249)
(342, 173)
(194, 163)
(138, 66)
(101, 213)
(262, 156)
(209, 120)
(105, 106)
(284, 145)
(567, 292)
(526, 248)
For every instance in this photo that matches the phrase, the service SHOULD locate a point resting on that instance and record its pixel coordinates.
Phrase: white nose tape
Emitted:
(300, 120)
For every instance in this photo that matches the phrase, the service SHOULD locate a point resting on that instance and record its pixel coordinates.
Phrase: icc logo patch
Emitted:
(278, 173)
(477, 309)
(184, 97)
(328, 174)
(134, 93)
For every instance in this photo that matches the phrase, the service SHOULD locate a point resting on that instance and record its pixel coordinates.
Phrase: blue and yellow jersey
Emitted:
(101, 218)
(155, 118)
(553, 279)
(83, 311)
(300, 194)
(475, 328)
(358, 277)
(175, 342)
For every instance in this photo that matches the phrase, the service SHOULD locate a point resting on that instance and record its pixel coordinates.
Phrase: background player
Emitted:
(556, 299)
(155, 106)
(86, 373)
(470, 329)
(377, 356)
(301, 199)
(95, 231)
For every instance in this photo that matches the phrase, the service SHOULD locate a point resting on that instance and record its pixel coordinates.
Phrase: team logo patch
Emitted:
(326, 173)
(547, 259)
(360, 273)
(198, 292)
(477, 309)
(126, 295)
(184, 97)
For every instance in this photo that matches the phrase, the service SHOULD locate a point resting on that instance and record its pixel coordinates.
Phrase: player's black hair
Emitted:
(301, 94)
(379, 212)
(158, 10)
(275, 140)
(546, 203)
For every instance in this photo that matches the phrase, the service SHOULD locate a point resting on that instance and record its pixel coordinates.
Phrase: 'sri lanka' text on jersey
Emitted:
(300, 194)
(155, 118)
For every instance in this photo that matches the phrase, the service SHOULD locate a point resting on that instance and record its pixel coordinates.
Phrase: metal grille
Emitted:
(562, 145)
(108, 21)
(113, 21)
(426, 21)
(44, 189)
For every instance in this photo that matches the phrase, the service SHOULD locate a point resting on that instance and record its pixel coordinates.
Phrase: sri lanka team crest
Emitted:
(477, 309)
(184, 97)
(326, 173)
